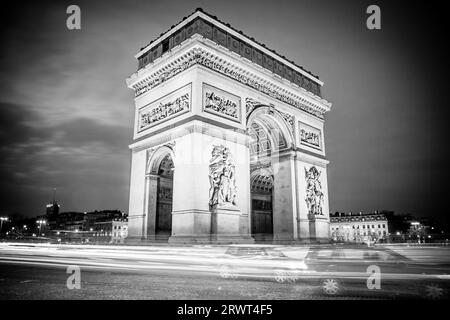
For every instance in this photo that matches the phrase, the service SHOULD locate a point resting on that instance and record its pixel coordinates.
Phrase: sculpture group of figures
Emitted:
(310, 138)
(221, 105)
(222, 179)
(164, 110)
(314, 194)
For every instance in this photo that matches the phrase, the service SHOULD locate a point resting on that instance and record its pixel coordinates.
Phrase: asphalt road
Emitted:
(34, 282)
(40, 272)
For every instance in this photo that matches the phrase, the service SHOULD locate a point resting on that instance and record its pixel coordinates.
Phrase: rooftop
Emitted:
(224, 34)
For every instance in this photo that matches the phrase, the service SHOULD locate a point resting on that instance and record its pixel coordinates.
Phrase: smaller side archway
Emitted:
(159, 194)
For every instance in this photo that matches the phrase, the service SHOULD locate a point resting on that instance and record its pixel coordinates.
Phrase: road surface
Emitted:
(37, 271)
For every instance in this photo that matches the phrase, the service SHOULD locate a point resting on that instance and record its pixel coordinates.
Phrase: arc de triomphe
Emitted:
(228, 141)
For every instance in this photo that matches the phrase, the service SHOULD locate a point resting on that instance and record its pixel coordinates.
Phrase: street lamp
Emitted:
(40, 222)
(1, 222)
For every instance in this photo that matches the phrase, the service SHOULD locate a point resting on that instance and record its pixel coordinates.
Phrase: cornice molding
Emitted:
(317, 160)
(200, 54)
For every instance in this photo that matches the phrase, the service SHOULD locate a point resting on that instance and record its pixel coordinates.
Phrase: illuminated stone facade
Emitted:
(233, 132)
(360, 227)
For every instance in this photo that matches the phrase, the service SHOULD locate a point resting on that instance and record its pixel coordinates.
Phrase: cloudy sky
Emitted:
(66, 113)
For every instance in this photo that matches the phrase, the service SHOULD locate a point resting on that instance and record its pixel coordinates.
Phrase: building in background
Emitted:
(52, 212)
(359, 228)
(119, 230)
(107, 226)
(386, 226)
(110, 231)
(53, 209)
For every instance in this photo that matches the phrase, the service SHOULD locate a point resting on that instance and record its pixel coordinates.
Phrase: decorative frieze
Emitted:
(310, 136)
(221, 103)
(165, 108)
(206, 59)
(254, 82)
(250, 105)
(171, 145)
(163, 75)
(289, 118)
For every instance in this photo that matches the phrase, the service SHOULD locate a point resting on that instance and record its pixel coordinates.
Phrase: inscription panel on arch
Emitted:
(310, 136)
(221, 103)
(168, 107)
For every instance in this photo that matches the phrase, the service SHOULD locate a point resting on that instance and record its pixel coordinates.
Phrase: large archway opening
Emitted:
(268, 138)
(164, 195)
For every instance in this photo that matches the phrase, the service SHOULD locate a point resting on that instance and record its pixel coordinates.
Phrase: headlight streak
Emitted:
(199, 259)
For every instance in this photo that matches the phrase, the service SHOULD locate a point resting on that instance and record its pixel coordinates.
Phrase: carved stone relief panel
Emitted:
(165, 108)
(310, 136)
(221, 103)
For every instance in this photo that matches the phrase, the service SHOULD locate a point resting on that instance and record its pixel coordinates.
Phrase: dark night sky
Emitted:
(66, 113)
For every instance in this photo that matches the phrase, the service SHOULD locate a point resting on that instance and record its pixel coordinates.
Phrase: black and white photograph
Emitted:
(237, 153)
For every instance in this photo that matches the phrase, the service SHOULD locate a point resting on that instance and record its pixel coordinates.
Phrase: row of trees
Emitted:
(402, 228)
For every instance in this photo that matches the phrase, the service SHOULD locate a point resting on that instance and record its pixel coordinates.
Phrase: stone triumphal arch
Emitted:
(228, 141)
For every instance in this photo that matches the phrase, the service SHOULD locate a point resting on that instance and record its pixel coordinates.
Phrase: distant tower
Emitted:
(53, 208)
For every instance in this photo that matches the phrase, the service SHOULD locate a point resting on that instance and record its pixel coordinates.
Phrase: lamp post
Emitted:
(1, 222)
(40, 222)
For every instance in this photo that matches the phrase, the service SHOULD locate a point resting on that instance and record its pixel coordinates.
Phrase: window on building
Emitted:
(384, 226)
(364, 226)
